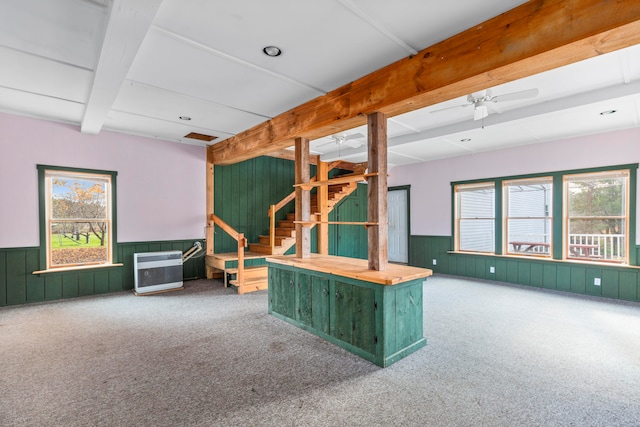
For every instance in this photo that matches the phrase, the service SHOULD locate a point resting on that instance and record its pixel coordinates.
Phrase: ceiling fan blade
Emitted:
(354, 136)
(514, 96)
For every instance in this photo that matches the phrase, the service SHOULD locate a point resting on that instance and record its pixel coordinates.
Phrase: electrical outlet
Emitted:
(434, 261)
(596, 281)
(492, 270)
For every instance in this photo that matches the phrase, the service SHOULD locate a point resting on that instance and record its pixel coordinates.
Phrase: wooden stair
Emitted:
(256, 277)
(286, 230)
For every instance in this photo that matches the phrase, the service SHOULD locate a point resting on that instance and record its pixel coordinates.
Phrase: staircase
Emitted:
(256, 277)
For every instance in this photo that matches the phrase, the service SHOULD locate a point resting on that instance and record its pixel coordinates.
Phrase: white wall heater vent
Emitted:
(157, 271)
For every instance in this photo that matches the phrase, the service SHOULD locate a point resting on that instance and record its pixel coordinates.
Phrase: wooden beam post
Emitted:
(209, 222)
(323, 208)
(303, 202)
(378, 236)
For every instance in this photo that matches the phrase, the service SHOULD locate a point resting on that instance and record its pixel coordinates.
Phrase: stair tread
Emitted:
(249, 267)
(250, 282)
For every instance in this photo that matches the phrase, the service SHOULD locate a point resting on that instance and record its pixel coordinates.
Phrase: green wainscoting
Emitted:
(615, 281)
(244, 191)
(18, 285)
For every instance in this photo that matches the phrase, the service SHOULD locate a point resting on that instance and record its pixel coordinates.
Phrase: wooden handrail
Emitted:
(273, 209)
(343, 179)
(242, 243)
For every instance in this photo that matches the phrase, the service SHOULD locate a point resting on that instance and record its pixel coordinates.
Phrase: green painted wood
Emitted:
(512, 271)
(549, 276)
(17, 277)
(578, 280)
(101, 281)
(52, 287)
(3, 278)
(563, 278)
(70, 285)
(116, 282)
(628, 285)
(501, 270)
(524, 273)
(590, 276)
(610, 284)
(379, 323)
(537, 275)
(86, 283)
(470, 267)
(35, 284)
(481, 271)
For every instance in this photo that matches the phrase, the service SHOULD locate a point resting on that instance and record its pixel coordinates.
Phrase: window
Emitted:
(76, 216)
(596, 209)
(475, 217)
(527, 215)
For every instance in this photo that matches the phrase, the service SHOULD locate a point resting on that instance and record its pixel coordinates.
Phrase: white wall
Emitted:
(160, 185)
(431, 181)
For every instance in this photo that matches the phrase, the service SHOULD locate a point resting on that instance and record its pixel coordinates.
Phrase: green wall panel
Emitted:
(629, 285)
(18, 285)
(616, 282)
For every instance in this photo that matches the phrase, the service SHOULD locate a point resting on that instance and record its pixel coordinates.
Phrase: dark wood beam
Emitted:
(303, 199)
(537, 36)
(377, 235)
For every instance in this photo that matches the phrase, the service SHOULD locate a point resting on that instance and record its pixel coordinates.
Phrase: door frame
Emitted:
(408, 210)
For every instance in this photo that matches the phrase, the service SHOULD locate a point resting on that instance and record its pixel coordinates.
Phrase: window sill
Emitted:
(77, 268)
(542, 258)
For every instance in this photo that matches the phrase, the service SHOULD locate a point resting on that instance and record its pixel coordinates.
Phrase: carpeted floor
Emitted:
(496, 355)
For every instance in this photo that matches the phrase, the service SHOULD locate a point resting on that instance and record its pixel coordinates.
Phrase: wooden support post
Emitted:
(378, 237)
(209, 221)
(323, 208)
(240, 274)
(303, 203)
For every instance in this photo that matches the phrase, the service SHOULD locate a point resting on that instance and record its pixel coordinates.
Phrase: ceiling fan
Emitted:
(354, 140)
(479, 101)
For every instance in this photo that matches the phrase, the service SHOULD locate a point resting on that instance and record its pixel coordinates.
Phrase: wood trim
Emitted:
(323, 206)
(303, 198)
(378, 237)
(537, 36)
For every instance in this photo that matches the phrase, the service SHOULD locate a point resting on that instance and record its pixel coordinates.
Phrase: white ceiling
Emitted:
(136, 66)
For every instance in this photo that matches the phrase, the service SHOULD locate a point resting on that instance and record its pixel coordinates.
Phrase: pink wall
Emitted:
(430, 181)
(160, 185)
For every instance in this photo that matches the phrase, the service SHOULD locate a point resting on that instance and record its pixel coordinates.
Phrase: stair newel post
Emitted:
(303, 205)
(241, 244)
(272, 227)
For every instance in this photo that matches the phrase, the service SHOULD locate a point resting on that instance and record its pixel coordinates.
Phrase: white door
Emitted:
(398, 226)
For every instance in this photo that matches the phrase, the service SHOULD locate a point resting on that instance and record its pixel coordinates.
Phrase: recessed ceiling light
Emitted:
(607, 112)
(465, 140)
(187, 118)
(272, 51)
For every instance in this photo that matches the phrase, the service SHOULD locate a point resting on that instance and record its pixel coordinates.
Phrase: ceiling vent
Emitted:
(200, 136)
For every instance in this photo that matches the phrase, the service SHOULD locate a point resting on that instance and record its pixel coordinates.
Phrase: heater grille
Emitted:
(157, 271)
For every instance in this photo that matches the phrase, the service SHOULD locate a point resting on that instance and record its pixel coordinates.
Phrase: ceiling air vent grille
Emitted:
(200, 136)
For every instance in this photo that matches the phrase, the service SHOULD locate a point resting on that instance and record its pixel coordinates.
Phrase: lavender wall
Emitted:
(161, 185)
(430, 181)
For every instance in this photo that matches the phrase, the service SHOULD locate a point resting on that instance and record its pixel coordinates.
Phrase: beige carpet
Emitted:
(496, 355)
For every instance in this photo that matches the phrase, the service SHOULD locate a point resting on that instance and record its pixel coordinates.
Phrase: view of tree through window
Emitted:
(597, 215)
(78, 215)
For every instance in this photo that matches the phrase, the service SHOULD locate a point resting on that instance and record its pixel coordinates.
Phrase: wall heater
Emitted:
(157, 271)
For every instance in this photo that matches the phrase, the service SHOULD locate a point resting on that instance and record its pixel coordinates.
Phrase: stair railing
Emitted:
(242, 243)
(273, 209)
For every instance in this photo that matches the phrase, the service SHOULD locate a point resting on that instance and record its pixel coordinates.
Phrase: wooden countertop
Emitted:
(353, 268)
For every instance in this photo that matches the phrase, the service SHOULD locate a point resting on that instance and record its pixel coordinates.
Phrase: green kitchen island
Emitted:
(376, 315)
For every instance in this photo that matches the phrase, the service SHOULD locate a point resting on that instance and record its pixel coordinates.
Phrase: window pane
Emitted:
(597, 210)
(597, 196)
(476, 217)
(78, 217)
(477, 235)
(74, 242)
(528, 219)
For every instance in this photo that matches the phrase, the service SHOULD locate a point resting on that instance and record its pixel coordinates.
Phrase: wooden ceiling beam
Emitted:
(537, 36)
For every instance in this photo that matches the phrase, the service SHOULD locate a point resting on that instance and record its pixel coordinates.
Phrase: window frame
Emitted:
(566, 253)
(457, 219)
(506, 217)
(559, 224)
(44, 210)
